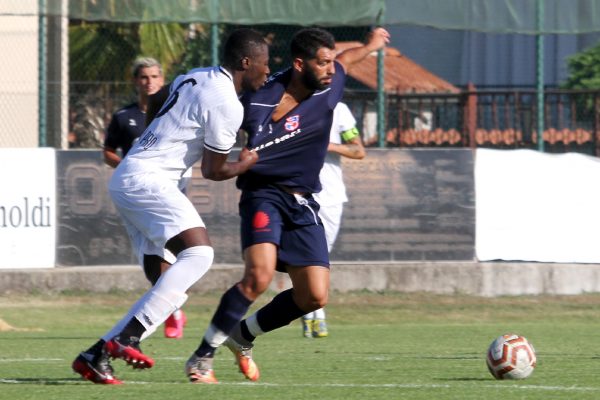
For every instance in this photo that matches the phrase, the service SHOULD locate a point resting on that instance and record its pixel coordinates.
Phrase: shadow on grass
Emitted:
(29, 337)
(464, 379)
(42, 381)
(448, 357)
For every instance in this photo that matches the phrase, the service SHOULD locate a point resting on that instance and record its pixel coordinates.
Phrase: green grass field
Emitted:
(381, 346)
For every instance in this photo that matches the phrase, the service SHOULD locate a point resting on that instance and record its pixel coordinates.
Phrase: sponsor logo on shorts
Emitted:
(261, 221)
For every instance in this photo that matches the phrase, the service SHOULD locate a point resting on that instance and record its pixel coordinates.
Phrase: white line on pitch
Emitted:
(340, 385)
(62, 359)
(29, 359)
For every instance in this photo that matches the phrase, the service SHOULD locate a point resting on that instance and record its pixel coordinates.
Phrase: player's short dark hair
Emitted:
(241, 43)
(306, 42)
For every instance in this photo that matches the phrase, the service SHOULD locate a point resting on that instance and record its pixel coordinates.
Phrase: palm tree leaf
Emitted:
(164, 41)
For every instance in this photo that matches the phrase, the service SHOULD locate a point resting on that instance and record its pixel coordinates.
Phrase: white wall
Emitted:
(28, 208)
(19, 74)
(532, 206)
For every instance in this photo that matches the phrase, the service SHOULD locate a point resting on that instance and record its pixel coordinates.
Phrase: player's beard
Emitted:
(311, 81)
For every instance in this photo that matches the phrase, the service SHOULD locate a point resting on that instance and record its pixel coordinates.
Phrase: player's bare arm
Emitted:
(216, 167)
(352, 149)
(111, 157)
(376, 40)
(351, 146)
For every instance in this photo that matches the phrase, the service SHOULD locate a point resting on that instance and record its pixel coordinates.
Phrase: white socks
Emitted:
(214, 336)
(168, 294)
(317, 314)
(115, 330)
(253, 326)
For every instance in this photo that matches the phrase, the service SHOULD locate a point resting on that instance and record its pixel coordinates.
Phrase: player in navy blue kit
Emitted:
(288, 123)
(128, 123)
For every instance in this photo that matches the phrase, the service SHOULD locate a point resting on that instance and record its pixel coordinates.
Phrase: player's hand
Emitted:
(248, 157)
(377, 39)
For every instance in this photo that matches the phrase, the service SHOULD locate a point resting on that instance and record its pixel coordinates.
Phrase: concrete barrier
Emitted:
(481, 279)
(407, 205)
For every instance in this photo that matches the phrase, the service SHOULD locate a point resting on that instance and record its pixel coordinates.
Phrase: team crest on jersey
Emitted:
(292, 123)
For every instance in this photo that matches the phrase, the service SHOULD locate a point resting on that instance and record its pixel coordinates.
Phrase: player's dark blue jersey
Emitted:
(291, 150)
(126, 125)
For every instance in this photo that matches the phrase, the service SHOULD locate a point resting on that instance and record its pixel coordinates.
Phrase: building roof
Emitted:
(402, 75)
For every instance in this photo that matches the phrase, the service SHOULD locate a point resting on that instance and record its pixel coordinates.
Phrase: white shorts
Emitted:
(142, 246)
(154, 210)
(331, 216)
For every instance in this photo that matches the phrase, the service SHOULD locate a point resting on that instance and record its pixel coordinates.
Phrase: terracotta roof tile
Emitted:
(402, 75)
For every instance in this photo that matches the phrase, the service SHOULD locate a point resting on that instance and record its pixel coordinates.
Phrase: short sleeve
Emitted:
(222, 123)
(112, 134)
(345, 119)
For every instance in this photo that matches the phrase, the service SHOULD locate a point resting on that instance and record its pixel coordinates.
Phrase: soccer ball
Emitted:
(511, 357)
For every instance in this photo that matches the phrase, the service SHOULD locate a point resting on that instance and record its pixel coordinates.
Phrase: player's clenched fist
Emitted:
(248, 157)
(377, 39)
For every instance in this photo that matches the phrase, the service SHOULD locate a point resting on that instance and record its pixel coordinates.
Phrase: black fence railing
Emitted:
(488, 118)
(502, 118)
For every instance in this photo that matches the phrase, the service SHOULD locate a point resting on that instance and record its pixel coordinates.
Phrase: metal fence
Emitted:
(489, 118)
(100, 55)
(504, 118)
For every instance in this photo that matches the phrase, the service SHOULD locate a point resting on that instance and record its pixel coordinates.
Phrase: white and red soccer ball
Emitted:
(511, 357)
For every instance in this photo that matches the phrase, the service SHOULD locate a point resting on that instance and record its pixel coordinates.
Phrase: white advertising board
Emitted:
(532, 206)
(27, 207)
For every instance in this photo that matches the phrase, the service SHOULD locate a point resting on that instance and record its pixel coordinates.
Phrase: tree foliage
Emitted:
(103, 51)
(584, 69)
(100, 58)
(197, 52)
(164, 41)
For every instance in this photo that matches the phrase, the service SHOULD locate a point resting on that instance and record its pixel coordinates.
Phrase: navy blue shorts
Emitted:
(271, 215)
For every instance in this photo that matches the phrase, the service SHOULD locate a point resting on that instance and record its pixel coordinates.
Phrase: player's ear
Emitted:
(245, 63)
(298, 64)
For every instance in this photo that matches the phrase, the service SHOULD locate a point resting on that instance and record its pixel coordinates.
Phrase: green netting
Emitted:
(299, 12)
(106, 35)
(504, 16)
(499, 16)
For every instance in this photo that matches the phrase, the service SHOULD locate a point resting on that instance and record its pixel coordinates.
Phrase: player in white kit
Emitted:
(344, 140)
(199, 120)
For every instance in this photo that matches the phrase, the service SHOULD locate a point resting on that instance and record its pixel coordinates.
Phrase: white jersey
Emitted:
(202, 111)
(334, 190)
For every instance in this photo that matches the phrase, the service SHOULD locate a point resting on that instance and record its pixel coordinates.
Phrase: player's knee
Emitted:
(313, 302)
(152, 272)
(254, 284)
(153, 267)
(321, 302)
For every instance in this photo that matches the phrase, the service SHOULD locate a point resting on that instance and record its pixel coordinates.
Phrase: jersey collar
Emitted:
(223, 70)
